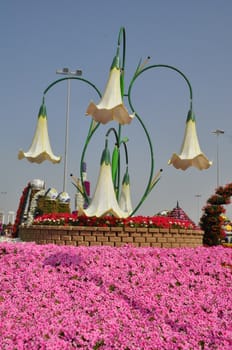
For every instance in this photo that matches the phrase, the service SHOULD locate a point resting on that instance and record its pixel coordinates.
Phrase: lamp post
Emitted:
(67, 72)
(198, 196)
(218, 132)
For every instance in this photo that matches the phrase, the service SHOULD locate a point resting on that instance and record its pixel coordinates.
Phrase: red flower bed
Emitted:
(67, 219)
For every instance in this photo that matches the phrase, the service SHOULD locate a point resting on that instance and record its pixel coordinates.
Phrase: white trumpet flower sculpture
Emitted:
(104, 199)
(111, 106)
(40, 149)
(190, 154)
(125, 196)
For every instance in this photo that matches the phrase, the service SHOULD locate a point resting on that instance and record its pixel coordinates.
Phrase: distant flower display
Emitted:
(33, 206)
(21, 209)
(212, 220)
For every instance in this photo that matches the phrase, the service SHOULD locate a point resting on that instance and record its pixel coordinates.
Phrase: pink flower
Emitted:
(62, 297)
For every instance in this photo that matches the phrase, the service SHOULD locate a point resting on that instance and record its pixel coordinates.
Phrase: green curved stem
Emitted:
(115, 134)
(126, 153)
(91, 129)
(83, 157)
(71, 78)
(176, 70)
(121, 37)
(137, 74)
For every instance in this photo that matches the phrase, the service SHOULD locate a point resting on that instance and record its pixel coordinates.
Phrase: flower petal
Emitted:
(200, 162)
(104, 200)
(40, 149)
(191, 154)
(111, 106)
(125, 196)
(125, 199)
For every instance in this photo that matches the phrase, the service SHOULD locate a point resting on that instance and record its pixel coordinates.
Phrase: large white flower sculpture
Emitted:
(104, 199)
(111, 106)
(190, 154)
(40, 149)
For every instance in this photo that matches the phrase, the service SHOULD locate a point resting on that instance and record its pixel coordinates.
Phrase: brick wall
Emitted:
(111, 236)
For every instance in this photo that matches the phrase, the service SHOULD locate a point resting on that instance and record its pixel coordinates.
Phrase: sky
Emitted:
(194, 36)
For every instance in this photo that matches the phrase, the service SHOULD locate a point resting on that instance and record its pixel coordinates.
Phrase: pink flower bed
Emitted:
(54, 297)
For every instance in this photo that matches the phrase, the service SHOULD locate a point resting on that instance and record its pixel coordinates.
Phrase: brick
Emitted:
(90, 238)
(102, 239)
(180, 240)
(111, 244)
(147, 235)
(151, 239)
(158, 235)
(135, 234)
(84, 243)
(66, 238)
(56, 237)
(129, 229)
(171, 239)
(139, 239)
(70, 243)
(88, 228)
(123, 234)
(115, 239)
(161, 239)
(166, 245)
(103, 229)
(154, 230)
(188, 240)
(169, 235)
(78, 238)
(116, 229)
(95, 243)
(127, 239)
(118, 244)
(174, 230)
(144, 244)
(83, 233)
(142, 229)
(157, 245)
(111, 234)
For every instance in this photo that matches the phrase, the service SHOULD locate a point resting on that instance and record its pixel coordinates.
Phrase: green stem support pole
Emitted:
(91, 129)
(137, 74)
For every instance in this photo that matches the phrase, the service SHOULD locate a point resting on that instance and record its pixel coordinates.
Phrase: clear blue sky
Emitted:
(38, 37)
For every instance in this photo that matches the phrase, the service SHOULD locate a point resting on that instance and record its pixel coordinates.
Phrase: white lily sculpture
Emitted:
(104, 199)
(125, 196)
(191, 154)
(40, 149)
(111, 106)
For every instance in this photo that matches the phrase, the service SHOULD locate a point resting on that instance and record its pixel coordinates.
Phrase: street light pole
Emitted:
(218, 132)
(66, 71)
(198, 196)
